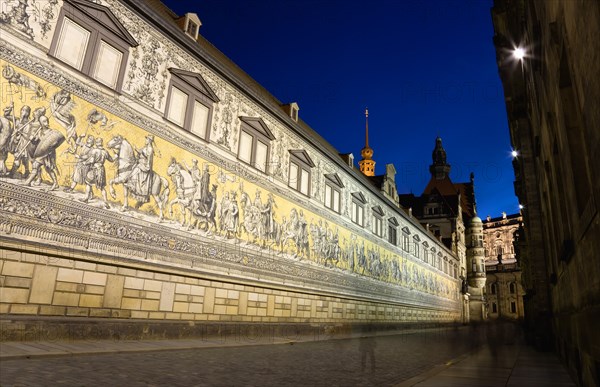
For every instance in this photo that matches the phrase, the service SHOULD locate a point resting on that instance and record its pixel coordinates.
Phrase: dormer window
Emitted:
(190, 24)
(190, 102)
(292, 110)
(192, 29)
(89, 38)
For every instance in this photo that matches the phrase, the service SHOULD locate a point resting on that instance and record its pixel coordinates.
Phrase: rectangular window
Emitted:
(357, 215)
(405, 242)
(300, 167)
(332, 198)
(336, 201)
(417, 252)
(245, 151)
(293, 180)
(304, 181)
(72, 43)
(392, 235)
(426, 255)
(200, 119)
(494, 308)
(177, 106)
(108, 63)
(377, 225)
(260, 161)
(89, 39)
(513, 307)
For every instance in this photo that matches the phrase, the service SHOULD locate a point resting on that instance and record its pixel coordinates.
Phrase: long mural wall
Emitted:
(106, 210)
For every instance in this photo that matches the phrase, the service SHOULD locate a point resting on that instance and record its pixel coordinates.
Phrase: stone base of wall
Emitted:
(78, 297)
(15, 328)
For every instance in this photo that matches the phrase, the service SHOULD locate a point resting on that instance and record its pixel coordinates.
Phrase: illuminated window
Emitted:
(358, 212)
(333, 186)
(90, 39)
(299, 174)
(190, 102)
(255, 143)
(377, 221)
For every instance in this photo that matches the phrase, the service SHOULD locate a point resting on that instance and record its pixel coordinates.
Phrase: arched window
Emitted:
(512, 288)
(493, 287)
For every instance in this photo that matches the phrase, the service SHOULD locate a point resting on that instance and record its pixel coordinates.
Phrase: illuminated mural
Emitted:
(64, 145)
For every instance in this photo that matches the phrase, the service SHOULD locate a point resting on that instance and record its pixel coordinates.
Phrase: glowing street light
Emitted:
(514, 154)
(521, 206)
(518, 53)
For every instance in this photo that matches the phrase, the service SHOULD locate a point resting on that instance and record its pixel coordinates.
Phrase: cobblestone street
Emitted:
(333, 363)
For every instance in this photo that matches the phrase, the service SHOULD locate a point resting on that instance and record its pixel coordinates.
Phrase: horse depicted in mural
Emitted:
(251, 220)
(130, 176)
(296, 231)
(184, 189)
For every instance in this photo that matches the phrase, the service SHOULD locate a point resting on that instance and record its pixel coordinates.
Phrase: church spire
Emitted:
(367, 165)
(440, 168)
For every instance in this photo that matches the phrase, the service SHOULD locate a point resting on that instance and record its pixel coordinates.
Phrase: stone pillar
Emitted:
(476, 270)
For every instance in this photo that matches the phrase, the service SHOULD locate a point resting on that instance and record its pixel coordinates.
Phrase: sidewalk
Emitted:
(514, 365)
(38, 349)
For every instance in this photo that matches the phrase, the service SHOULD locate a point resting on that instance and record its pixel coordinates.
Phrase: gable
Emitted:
(378, 210)
(406, 230)
(303, 156)
(393, 221)
(335, 179)
(359, 196)
(196, 81)
(103, 16)
(259, 125)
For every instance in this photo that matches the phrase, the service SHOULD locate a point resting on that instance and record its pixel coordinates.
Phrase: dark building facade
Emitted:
(548, 54)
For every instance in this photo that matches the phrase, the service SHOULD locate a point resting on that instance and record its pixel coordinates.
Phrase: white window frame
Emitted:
(299, 176)
(261, 135)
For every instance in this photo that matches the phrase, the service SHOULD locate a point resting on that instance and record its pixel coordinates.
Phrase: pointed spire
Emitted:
(367, 127)
(440, 168)
(367, 165)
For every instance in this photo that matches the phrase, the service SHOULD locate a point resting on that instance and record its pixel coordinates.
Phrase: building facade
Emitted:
(147, 178)
(448, 211)
(504, 289)
(552, 93)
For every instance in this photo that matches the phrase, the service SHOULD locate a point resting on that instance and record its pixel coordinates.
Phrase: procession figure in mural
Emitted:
(61, 106)
(205, 214)
(251, 219)
(81, 166)
(14, 135)
(295, 230)
(224, 212)
(96, 175)
(135, 173)
(185, 188)
(232, 216)
(42, 148)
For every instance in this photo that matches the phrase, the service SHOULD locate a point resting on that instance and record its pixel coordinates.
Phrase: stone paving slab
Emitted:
(515, 365)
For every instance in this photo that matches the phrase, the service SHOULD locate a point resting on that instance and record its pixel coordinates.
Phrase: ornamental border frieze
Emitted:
(60, 223)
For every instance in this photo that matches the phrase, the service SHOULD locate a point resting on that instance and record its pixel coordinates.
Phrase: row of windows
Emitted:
(512, 288)
(90, 39)
(513, 307)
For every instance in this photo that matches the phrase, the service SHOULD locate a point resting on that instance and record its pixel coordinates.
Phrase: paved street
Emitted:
(332, 363)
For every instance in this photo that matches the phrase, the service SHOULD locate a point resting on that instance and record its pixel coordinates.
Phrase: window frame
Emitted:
(302, 161)
(377, 226)
(358, 208)
(334, 183)
(200, 93)
(393, 231)
(77, 12)
(258, 130)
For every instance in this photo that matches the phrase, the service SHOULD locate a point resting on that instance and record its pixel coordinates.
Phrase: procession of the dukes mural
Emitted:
(53, 141)
(62, 138)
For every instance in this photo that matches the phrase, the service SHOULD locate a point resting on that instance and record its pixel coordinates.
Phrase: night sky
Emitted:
(423, 69)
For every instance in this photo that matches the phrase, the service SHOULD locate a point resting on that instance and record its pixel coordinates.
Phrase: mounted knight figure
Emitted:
(136, 175)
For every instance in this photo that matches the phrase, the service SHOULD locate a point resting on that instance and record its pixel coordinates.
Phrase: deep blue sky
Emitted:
(423, 68)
